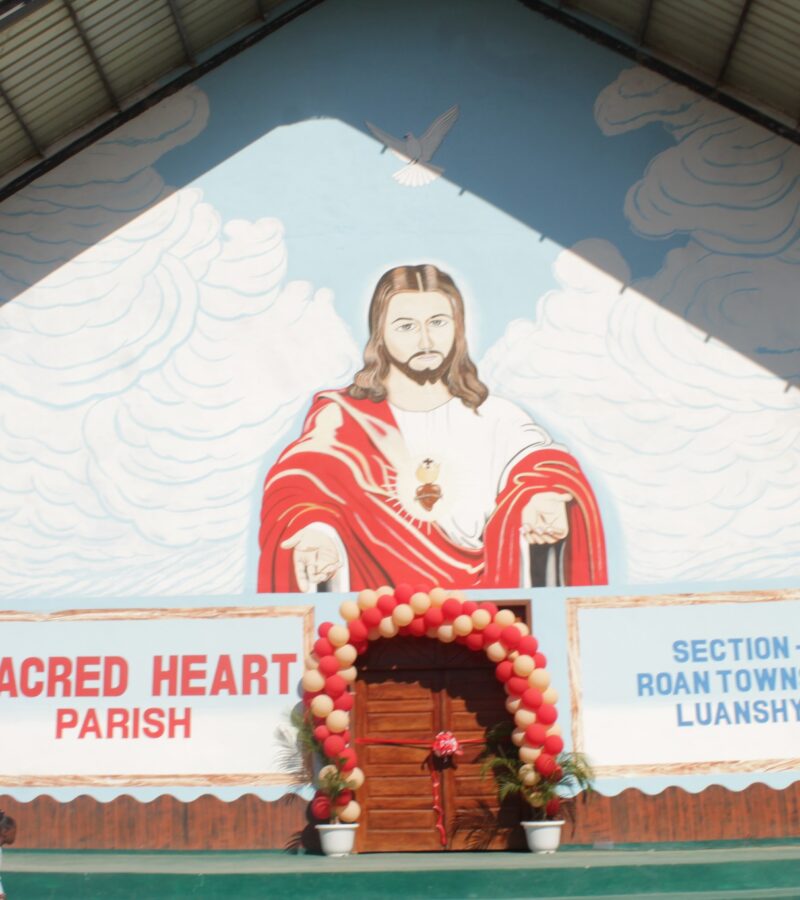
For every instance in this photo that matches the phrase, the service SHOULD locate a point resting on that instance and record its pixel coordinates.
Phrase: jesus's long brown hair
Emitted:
(461, 376)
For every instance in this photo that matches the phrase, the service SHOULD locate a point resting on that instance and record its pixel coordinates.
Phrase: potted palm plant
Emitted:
(551, 798)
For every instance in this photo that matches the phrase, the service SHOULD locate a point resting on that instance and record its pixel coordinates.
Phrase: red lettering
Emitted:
(115, 665)
(254, 668)
(117, 717)
(223, 677)
(190, 674)
(84, 676)
(8, 683)
(65, 718)
(91, 725)
(185, 722)
(59, 672)
(28, 688)
(170, 675)
(284, 660)
(153, 722)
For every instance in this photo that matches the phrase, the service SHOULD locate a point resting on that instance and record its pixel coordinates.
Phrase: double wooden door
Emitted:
(409, 689)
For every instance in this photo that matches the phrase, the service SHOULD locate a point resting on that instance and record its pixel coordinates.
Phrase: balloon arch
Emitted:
(330, 672)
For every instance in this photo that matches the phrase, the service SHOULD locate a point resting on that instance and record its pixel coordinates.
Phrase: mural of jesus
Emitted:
(416, 473)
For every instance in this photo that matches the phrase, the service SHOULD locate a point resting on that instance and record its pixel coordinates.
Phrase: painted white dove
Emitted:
(416, 152)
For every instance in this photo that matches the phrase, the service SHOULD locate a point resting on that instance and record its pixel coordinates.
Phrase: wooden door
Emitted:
(410, 689)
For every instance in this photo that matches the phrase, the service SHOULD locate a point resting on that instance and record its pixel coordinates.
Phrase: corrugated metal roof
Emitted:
(71, 65)
(66, 65)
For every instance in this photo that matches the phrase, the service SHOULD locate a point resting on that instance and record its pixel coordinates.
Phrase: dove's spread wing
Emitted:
(396, 144)
(435, 134)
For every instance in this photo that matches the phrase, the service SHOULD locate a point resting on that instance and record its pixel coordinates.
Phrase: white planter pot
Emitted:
(543, 837)
(337, 840)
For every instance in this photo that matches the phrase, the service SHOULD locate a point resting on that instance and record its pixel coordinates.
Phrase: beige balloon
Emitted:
(349, 610)
(496, 652)
(446, 634)
(367, 599)
(349, 674)
(346, 654)
(513, 704)
(326, 770)
(420, 603)
(387, 627)
(438, 596)
(311, 661)
(555, 729)
(529, 754)
(481, 618)
(355, 778)
(524, 665)
(540, 679)
(523, 627)
(384, 589)
(350, 813)
(518, 737)
(462, 625)
(322, 706)
(402, 614)
(458, 595)
(524, 717)
(550, 695)
(313, 680)
(528, 775)
(504, 618)
(338, 721)
(339, 636)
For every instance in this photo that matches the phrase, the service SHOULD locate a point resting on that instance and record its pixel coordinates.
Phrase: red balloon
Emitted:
(552, 807)
(333, 746)
(541, 660)
(468, 607)
(510, 637)
(417, 627)
(386, 603)
(358, 630)
(535, 734)
(362, 647)
(344, 797)
(546, 714)
(434, 617)
(491, 608)
(504, 670)
(528, 645)
(558, 774)
(345, 735)
(324, 628)
(553, 744)
(349, 759)
(474, 640)
(321, 806)
(335, 686)
(403, 592)
(329, 665)
(532, 698)
(545, 765)
(517, 686)
(321, 732)
(323, 647)
(491, 634)
(344, 701)
(372, 617)
(451, 608)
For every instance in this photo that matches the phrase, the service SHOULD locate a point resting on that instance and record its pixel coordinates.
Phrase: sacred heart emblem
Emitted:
(428, 493)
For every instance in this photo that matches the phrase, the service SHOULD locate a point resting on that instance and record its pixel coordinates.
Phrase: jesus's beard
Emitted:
(425, 376)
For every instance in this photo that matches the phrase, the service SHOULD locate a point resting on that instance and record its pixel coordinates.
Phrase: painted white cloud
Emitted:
(698, 448)
(151, 356)
(733, 189)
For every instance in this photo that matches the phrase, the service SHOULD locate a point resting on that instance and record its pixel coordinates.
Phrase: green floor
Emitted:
(720, 871)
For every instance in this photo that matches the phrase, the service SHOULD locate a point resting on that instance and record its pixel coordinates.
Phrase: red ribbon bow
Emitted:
(446, 744)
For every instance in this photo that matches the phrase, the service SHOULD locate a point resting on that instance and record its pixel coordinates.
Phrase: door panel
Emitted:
(410, 689)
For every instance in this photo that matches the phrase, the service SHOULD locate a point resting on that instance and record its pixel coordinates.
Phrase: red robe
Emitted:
(339, 472)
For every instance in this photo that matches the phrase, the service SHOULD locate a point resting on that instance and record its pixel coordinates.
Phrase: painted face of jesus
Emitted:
(419, 334)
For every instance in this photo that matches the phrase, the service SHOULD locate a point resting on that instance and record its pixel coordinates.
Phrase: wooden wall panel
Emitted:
(252, 824)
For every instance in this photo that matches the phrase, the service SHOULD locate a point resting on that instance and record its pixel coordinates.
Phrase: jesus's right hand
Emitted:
(315, 557)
